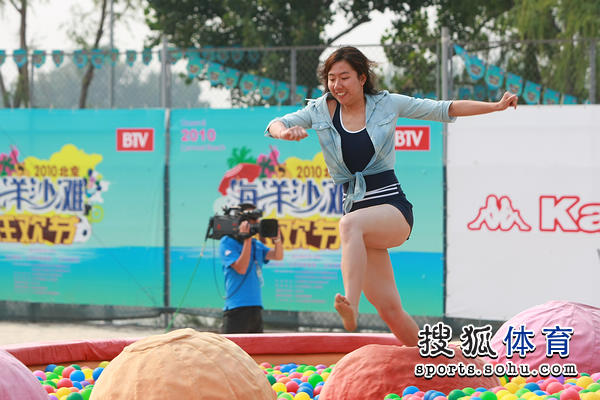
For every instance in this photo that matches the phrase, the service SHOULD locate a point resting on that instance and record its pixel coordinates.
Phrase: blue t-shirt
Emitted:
(242, 290)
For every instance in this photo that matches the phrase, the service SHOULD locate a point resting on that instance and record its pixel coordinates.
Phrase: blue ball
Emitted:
(481, 389)
(532, 386)
(50, 368)
(306, 389)
(97, 372)
(430, 395)
(410, 390)
(78, 385)
(539, 392)
(298, 381)
(77, 376)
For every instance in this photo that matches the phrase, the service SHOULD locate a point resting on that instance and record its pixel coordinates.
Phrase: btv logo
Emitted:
(498, 213)
(412, 138)
(135, 139)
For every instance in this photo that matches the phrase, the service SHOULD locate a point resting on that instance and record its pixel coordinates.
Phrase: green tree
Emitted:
(262, 23)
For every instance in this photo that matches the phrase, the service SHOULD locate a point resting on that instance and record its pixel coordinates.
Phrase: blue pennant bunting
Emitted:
(2, 56)
(130, 57)
(80, 58)
(514, 84)
(248, 84)
(194, 67)
(282, 93)
(551, 96)
(465, 93)
(418, 95)
(97, 58)
(475, 68)
(57, 57)
(494, 94)
(479, 92)
(232, 76)
(459, 51)
(208, 54)
(430, 95)
(253, 56)
(146, 56)
(20, 57)
(531, 93)
(237, 55)
(266, 88)
(38, 58)
(494, 77)
(222, 56)
(316, 93)
(113, 56)
(215, 74)
(568, 99)
(301, 92)
(174, 55)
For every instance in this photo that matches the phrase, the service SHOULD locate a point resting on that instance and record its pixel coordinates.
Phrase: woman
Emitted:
(355, 125)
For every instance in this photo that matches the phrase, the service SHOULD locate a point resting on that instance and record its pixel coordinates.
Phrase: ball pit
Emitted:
(273, 355)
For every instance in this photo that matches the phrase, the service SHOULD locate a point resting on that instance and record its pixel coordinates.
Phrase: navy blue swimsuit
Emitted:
(382, 188)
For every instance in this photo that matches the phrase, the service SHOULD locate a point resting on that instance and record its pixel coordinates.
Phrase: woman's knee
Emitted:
(349, 226)
(390, 311)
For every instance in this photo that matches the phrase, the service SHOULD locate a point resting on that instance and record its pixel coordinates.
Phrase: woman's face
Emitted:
(344, 83)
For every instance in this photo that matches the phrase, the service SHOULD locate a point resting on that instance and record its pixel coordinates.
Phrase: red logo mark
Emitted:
(498, 213)
(412, 138)
(135, 139)
(559, 212)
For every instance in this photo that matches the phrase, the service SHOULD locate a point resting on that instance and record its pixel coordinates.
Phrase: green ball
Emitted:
(86, 393)
(285, 396)
(487, 395)
(301, 368)
(271, 379)
(314, 379)
(58, 370)
(468, 390)
(593, 387)
(310, 368)
(328, 369)
(456, 394)
(52, 375)
(75, 396)
(584, 374)
(521, 392)
(76, 366)
(392, 396)
(49, 383)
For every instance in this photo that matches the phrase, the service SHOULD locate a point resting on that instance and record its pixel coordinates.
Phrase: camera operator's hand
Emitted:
(245, 227)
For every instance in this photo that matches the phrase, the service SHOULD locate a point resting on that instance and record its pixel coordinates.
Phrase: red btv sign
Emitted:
(135, 139)
(412, 138)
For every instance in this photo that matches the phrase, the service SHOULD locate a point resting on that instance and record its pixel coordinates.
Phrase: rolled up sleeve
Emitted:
(426, 109)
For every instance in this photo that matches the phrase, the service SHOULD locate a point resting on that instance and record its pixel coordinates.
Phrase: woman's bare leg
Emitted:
(378, 227)
(381, 291)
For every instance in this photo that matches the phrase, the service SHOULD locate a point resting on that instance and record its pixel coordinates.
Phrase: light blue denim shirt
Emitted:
(382, 111)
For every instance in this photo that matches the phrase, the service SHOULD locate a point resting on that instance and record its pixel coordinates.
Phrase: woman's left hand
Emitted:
(508, 100)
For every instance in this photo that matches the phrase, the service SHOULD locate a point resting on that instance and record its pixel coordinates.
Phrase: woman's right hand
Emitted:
(296, 133)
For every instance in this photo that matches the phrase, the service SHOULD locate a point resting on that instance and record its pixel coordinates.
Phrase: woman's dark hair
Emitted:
(357, 60)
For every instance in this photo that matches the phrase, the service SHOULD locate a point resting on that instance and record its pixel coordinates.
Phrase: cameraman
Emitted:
(242, 258)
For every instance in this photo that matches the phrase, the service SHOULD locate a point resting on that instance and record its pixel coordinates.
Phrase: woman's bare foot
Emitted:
(343, 307)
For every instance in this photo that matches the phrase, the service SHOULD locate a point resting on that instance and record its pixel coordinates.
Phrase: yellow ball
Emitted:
(63, 391)
(503, 380)
(308, 373)
(509, 396)
(528, 395)
(325, 375)
(590, 396)
(584, 381)
(88, 373)
(512, 387)
(501, 393)
(571, 380)
(103, 364)
(279, 387)
(302, 396)
(518, 380)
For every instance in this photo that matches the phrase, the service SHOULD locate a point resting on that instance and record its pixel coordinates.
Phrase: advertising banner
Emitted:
(221, 158)
(81, 206)
(523, 210)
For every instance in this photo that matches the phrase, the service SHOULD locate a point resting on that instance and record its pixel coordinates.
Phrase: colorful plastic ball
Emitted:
(75, 396)
(532, 386)
(456, 394)
(584, 382)
(50, 367)
(314, 379)
(97, 372)
(77, 384)
(302, 396)
(67, 372)
(77, 375)
(487, 395)
(594, 387)
(569, 394)
(291, 386)
(64, 383)
(392, 396)
(554, 387)
(58, 370)
(279, 387)
(62, 392)
(410, 390)
(103, 364)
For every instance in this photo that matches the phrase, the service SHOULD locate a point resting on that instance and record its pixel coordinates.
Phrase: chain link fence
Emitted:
(541, 72)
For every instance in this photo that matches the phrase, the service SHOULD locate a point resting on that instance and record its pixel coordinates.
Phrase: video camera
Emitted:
(229, 224)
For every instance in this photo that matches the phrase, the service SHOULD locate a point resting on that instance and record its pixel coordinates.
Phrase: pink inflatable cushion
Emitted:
(375, 370)
(16, 380)
(584, 344)
(183, 364)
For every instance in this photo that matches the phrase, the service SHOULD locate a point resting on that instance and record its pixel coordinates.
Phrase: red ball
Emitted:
(67, 372)
(48, 388)
(554, 387)
(569, 394)
(64, 382)
(291, 386)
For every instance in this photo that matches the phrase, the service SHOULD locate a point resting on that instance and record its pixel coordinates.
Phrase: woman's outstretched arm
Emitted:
(464, 108)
